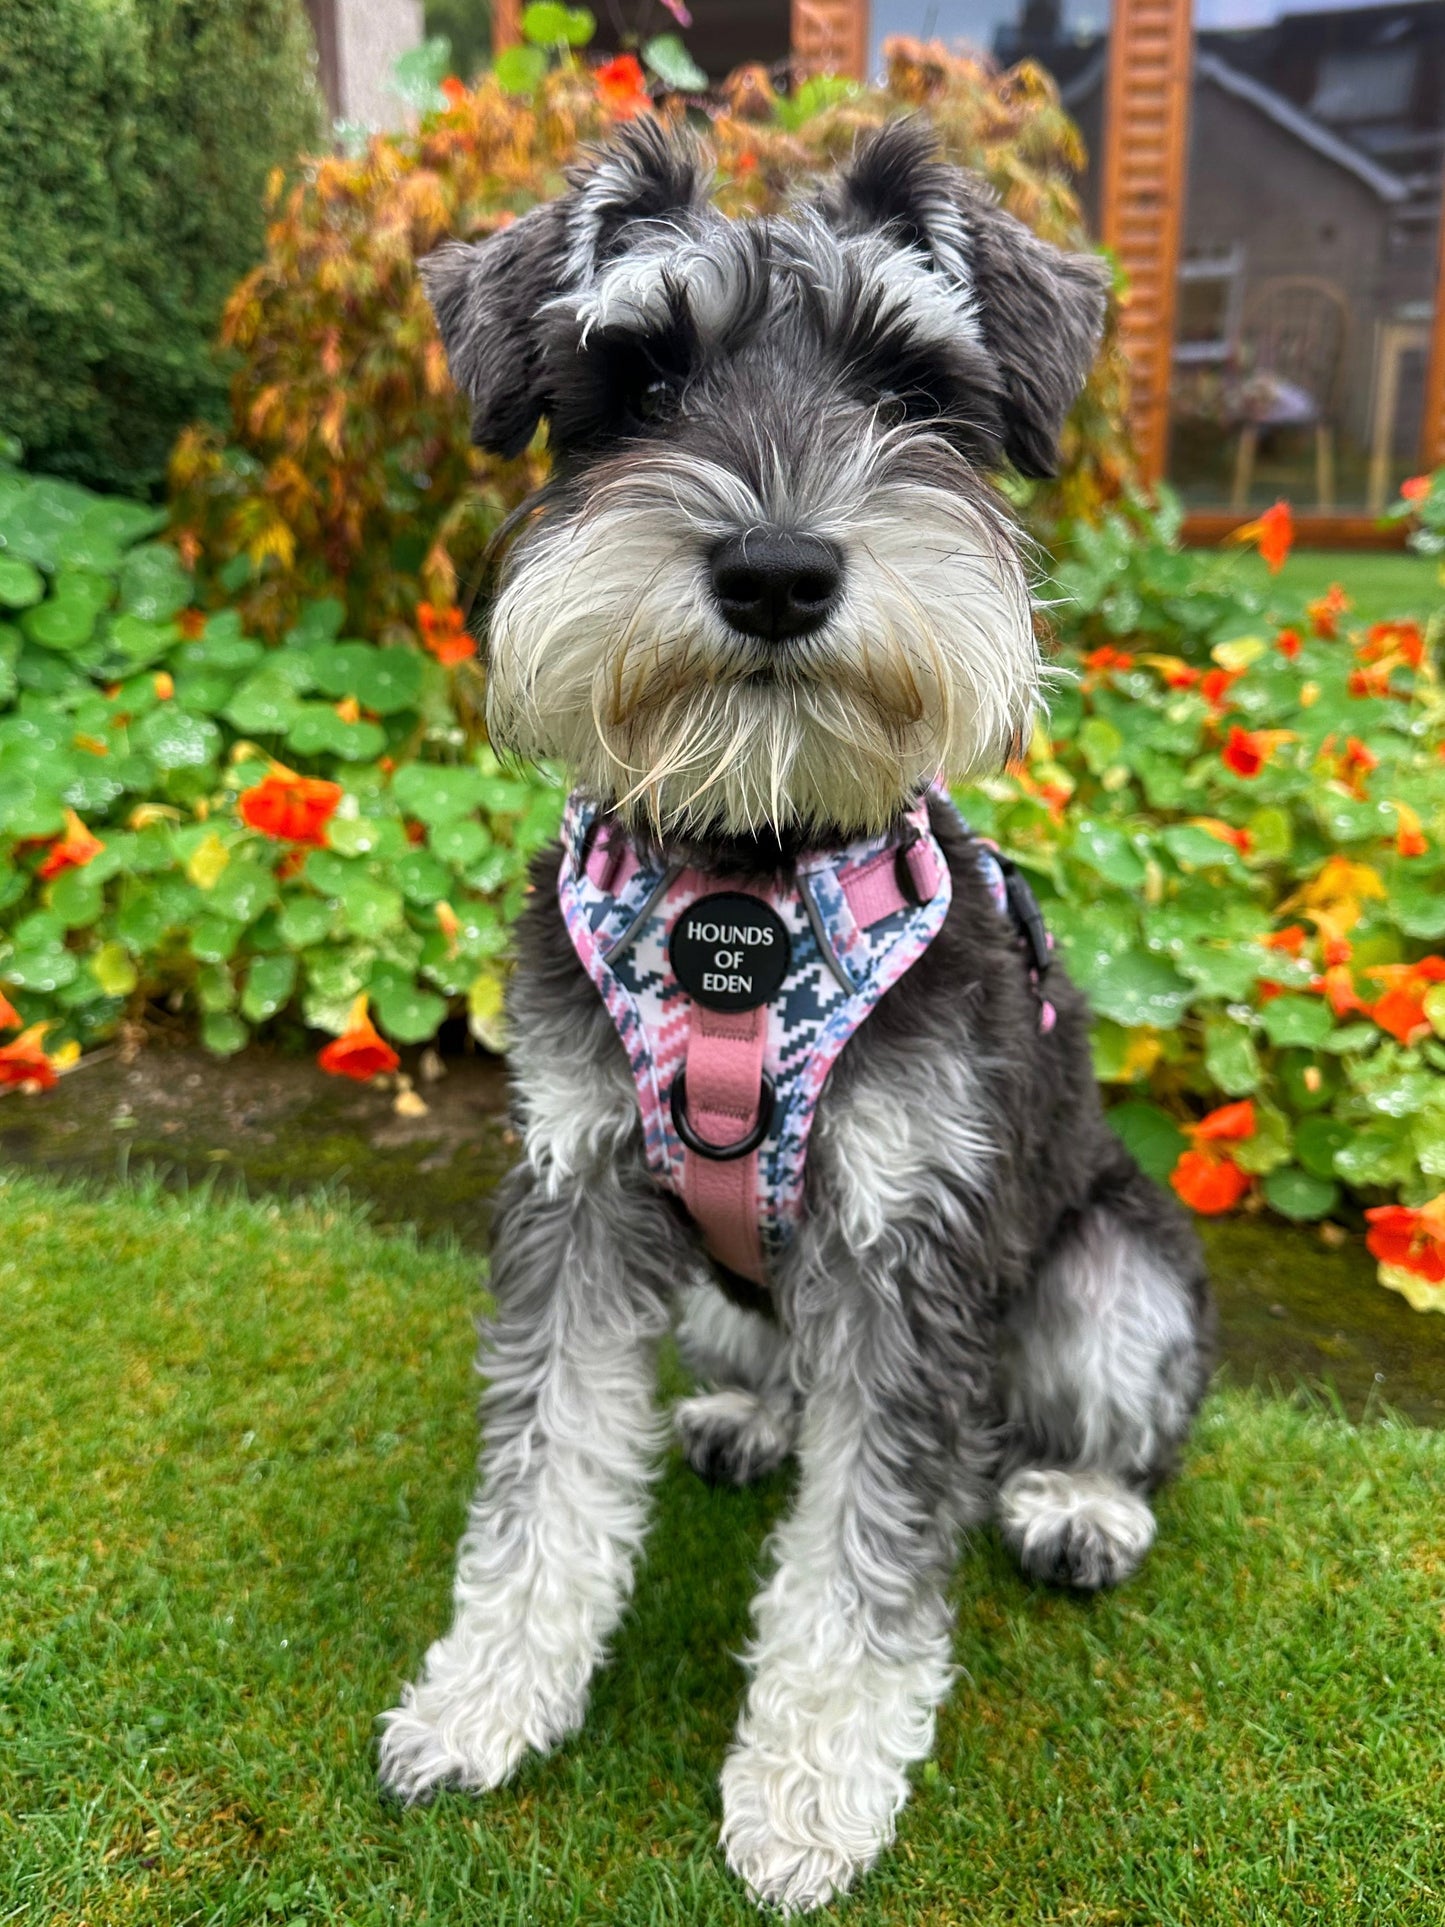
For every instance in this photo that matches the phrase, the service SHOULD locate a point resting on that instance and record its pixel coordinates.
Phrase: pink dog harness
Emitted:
(734, 1000)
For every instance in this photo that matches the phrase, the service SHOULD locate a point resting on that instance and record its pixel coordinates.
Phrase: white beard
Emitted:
(608, 652)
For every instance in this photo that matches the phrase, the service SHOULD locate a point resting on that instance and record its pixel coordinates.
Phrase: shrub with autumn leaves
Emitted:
(348, 471)
(1235, 819)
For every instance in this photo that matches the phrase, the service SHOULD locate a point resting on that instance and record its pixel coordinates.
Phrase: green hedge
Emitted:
(135, 139)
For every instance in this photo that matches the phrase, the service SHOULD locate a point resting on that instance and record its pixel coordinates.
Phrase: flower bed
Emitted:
(1234, 818)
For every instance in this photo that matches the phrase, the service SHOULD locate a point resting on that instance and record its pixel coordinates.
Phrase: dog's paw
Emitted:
(455, 1730)
(732, 1437)
(1080, 1529)
(797, 1835)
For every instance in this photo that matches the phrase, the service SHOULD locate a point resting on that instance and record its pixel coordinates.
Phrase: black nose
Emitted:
(773, 584)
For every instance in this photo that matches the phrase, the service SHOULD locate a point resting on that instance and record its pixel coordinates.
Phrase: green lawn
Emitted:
(1380, 582)
(237, 1440)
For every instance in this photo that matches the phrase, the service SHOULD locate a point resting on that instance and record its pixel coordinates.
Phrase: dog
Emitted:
(769, 593)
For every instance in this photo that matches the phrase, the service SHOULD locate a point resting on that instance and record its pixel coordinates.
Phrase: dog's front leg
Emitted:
(580, 1274)
(851, 1654)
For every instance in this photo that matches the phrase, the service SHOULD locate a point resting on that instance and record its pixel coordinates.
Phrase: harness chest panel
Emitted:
(728, 1078)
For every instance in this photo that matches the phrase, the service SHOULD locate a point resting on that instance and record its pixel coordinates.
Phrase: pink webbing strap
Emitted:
(724, 1075)
(873, 890)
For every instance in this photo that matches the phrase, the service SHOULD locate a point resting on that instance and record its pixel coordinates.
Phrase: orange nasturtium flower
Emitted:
(1209, 1180)
(1410, 838)
(1215, 686)
(360, 1051)
(1325, 612)
(73, 850)
(10, 1018)
(622, 87)
(292, 808)
(444, 633)
(1416, 489)
(1289, 643)
(1272, 534)
(1410, 1240)
(23, 1063)
(1401, 1009)
(1397, 641)
(1246, 751)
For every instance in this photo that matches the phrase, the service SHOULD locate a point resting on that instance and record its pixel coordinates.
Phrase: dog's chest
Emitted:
(733, 1001)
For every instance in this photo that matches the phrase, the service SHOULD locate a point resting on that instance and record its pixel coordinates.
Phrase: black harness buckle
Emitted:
(722, 1153)
(1027, 916)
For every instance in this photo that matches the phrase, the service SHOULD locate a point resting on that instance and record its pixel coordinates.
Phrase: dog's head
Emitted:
(770, 585)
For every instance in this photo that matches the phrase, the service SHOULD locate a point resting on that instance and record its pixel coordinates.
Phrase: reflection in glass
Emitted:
(1307, 268)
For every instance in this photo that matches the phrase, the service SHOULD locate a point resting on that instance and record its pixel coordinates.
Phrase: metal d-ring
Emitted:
(722, 1153)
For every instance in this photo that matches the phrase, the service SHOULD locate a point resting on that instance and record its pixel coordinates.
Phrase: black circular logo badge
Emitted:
(729, 952)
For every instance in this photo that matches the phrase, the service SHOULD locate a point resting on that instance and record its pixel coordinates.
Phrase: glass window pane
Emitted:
(1069, 38)
(1308, 259)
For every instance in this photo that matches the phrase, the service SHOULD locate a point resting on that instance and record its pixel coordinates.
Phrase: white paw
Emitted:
(460, 1726)
(1081, 1529)
(797, 1834)
(732, 1437)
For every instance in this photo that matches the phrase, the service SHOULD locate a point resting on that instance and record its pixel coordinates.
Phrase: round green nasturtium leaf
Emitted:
(44, 968)
(1299, 1021)
(219, 648)
(175, 739)
(305, 921)
(369, 909)
(459, 843)
(436, 794)
(332, 874)
(20, 584)
(215, 987)
(407, 1013)
(1230, 1057)
(223, 1033)
(317, 622)
(64, 622)
(113, 969)
(242, 891)
(1108, 851)
(153, 584)
(1150, 1134)
(520, 70)
(140, 642)
(547, 24)
(382, 680)
(667, 57)
(214, 939)
(375, 836)
(268, 987)
(1299, 1194)
(1308, 1083)
(315, 729)
(1135, 989)
(422, 878)
(77, 897)
(28, 810)
(264, 705)
(1195, 849)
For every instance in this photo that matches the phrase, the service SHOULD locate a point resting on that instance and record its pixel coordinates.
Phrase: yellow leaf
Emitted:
(1236, 655)
(485, 1010)
(66, 1056)
(207, 861)
(113, 969)
(1422, 1295)
(1309, 694)
(1142, 1053)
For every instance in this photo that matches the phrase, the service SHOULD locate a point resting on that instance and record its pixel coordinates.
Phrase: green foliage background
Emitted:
(135, 140)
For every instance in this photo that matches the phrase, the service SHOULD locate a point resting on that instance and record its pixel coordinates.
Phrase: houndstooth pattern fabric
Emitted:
(621, 936)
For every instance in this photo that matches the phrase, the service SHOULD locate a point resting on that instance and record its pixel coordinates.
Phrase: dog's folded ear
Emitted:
(488, 296)
(1039, 310)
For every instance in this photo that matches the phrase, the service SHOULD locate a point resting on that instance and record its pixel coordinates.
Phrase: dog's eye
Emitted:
(658, 401)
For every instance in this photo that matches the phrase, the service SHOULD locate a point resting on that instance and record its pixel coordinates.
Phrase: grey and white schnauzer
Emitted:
(767, 596)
